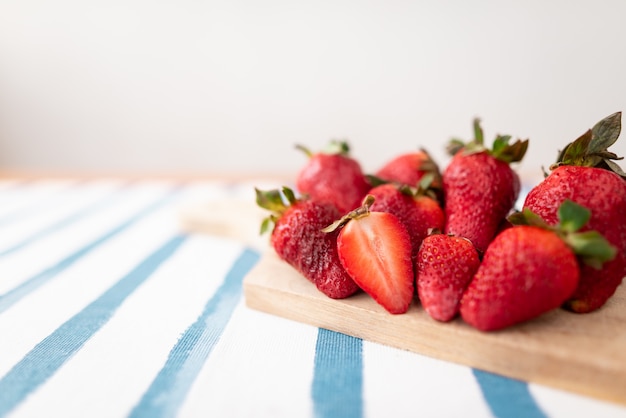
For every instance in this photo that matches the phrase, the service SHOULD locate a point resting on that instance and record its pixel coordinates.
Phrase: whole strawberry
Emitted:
(586, 174)
(375, 250)
(298, 239)
(480, 188)
(418, 211)
(531, 269)
(444, 267)
(409, 168)
(333, 177)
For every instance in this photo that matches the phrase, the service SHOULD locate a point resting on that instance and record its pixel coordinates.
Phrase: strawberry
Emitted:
(375, 250)
(409, 168)
(333, 177)
(585, 173)
(418, 211)
(298, 239)
(531, 269)
(444, 267)
(480, 188)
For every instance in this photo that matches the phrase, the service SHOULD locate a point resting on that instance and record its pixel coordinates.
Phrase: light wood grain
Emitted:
(230, 218)
(585, 354)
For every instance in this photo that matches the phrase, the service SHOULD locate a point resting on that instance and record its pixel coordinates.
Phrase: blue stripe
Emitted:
(337, 389)
(74, 217)
(507, 397)
(170, 387)
(52, 352)
(14, 295)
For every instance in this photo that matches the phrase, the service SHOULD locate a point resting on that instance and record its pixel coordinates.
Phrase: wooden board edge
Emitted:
(335, 315)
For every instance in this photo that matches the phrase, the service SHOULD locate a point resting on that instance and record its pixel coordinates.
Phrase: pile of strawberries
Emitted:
(452, 240)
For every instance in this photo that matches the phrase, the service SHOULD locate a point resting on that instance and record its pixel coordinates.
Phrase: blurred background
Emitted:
(216, 86)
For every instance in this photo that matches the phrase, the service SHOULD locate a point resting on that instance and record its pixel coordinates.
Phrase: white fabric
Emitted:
(259, 365)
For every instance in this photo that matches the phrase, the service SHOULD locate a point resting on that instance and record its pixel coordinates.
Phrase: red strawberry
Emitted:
(375, 250)
(298, 239)
(531, 269)
(416, 210)
(584, 174)
(480, 188)
(410, 168)
(333, 177)
(444, 267)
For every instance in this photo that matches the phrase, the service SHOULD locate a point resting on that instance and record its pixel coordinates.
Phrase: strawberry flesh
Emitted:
(419, 214)
(375, 250)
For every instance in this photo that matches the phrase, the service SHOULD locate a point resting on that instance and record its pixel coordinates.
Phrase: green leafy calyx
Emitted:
(590, 246)
(276, 201)
(430, 184)
(333, 147)
(591, 148)
(501, 149)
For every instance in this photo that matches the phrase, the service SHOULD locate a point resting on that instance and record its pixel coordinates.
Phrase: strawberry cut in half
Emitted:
(375, 249)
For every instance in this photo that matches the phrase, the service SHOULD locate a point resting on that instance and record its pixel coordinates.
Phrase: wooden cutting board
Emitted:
(580, 353)
(585, 354)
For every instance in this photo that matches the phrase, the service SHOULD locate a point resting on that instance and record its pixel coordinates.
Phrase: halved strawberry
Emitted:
(375, 250)
(416, 208)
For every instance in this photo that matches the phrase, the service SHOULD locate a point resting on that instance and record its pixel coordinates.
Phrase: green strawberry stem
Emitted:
(423, 187)
(501, 149)
(305, 150)
(375, 180)
(591, 148)
(592, 248)
(479, 134)
(429, 185)
(333, 147)
(429, 166)
(276, 201)
(357, 213)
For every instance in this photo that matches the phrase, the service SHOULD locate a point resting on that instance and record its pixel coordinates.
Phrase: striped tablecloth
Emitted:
(109, 309)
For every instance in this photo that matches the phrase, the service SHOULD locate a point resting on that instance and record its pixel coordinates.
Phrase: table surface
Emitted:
(108, 307)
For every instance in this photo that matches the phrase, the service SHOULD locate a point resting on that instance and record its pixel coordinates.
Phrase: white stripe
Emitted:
(397, 381)
(31, 194)
(40, 313)
(262, 366)
(121, 360)
(52, 212)
(50, 249)
(557, 403)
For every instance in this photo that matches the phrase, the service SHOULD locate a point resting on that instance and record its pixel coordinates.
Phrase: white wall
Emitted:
(229, 85)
